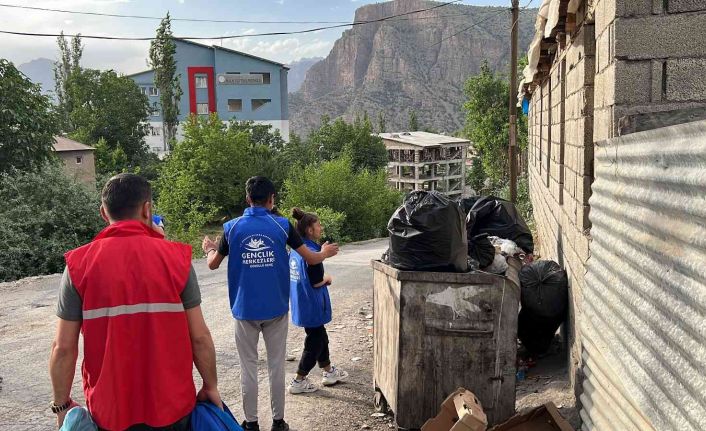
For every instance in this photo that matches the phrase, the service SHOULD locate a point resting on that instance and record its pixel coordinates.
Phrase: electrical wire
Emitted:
(201, 20)
(277, 33)
(478, 23)
(113, 15)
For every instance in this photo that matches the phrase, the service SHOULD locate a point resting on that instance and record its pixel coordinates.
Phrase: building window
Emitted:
(259, 103)
(154, 112)
(265, 76)
(202, 108)
(235, 105)
(143, 90)
(201, 81)
(153, 91)
(79, 160)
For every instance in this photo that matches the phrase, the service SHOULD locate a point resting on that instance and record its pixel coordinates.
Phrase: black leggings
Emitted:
(315, 350)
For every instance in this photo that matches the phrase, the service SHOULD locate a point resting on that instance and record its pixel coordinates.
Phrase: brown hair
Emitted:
(304, 220)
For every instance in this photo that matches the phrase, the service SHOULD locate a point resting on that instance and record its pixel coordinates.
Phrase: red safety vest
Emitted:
(137, 365)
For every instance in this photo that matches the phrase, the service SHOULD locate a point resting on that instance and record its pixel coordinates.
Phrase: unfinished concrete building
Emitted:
(426, 161)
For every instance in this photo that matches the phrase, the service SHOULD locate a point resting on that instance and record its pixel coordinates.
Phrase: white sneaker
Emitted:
(333, 377)
(301, 386)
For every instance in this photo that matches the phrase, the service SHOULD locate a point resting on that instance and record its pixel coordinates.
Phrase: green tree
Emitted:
(68, 63)
(111, 108)
(44, 214)
(476, 176)
(263, 134)
(413, 123)
(27, 124)
(109, 160)
(204, 176)
(162, 52)
(487, 121)
(363, 196)
(298, 153)
(335, 139)
(381, 122)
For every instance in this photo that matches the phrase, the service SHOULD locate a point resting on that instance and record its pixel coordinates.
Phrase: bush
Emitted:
(363, 197)
(204, 176)
(43, 215)
(524, 204)
(331, 221)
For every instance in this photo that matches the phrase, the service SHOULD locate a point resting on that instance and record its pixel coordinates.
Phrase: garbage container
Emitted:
(435, 332)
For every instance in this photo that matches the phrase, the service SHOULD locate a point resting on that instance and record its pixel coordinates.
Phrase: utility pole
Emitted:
(512, 149)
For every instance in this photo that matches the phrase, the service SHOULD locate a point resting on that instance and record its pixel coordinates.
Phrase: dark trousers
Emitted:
(183, 424)
(315, 350)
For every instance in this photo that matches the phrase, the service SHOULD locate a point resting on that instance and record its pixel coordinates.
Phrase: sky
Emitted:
(130, 56)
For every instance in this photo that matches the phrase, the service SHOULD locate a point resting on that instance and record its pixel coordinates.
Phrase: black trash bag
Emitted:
(536, 332)
(481, 250)
(467, 203)
(498, 217)
(428, 233)
(544, 289)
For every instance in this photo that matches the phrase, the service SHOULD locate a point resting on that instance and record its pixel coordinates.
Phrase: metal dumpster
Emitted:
(435, 332)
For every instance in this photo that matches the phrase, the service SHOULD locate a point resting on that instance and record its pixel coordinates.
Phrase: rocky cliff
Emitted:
(407, 63)
(297, 72)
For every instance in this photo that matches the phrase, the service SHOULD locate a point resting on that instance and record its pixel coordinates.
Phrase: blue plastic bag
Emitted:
(78, 419)
(208, 417)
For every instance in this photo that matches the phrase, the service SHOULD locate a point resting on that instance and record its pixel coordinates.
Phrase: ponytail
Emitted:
(304, 220)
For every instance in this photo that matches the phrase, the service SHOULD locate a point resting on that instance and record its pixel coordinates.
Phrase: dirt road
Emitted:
(27, 323)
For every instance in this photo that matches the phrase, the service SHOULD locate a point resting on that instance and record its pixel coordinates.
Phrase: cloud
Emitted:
(279, 1)
(283, 50)
(123, 56)
(181, 1)
(129, 56)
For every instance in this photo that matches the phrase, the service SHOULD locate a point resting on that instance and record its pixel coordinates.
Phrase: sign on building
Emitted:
(240, 79)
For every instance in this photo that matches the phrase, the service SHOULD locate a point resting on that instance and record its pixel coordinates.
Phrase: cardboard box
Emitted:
(461, 411)
(543, 418)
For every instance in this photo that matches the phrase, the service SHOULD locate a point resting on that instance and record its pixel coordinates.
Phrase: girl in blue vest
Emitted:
(311, 308)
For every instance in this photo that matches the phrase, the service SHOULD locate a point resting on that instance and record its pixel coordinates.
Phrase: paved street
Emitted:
(27, 323)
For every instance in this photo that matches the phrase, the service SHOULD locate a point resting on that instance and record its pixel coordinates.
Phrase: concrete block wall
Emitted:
(625, 59)
(561, 165)
(651, 59)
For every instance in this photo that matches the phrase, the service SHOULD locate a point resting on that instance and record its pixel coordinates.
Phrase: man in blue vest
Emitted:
(258, 288)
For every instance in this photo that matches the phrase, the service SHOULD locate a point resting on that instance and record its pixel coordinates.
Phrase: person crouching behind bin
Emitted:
(311, 307)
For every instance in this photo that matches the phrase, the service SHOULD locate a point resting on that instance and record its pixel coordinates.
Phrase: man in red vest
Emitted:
(135, 298)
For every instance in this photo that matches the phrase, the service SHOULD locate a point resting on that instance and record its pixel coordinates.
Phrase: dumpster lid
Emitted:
(473, 277)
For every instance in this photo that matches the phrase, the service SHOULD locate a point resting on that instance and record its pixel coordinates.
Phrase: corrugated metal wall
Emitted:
(644, 324)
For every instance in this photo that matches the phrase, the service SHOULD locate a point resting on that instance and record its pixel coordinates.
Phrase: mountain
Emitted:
(297, 72)
(40, 71)
(416, 62)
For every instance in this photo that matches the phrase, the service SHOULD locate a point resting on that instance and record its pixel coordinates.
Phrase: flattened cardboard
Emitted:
(460, 411)
(543, 418)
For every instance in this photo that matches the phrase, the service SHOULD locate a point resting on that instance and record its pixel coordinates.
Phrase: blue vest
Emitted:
(311, 307)
(258, 270)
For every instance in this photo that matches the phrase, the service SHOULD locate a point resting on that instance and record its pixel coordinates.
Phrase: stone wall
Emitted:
(84, 172)
(626, 66)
